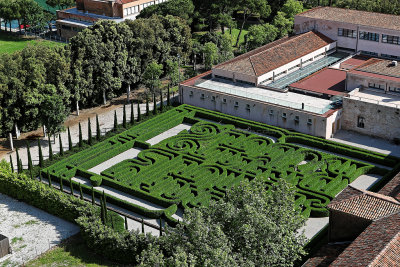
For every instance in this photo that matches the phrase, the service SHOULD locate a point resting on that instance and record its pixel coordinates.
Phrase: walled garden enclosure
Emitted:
(198, 165)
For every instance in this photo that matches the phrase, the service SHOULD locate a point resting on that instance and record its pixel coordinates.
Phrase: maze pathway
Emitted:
(129, 154)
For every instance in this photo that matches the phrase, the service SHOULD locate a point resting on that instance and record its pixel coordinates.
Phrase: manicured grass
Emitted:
(235, 33)
(72, 252)
(10, 44)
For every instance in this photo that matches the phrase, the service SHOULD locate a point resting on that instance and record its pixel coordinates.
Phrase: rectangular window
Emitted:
(271, 112)
(247, 106)
(390, 39)
(394, 89)
(369, 53)
(376, 85)
(224, 101)
(370, 36)
(297, 119)
(236, 104)
(309, 121)
(213, 98)
(191, 93)
(390, 56)
(347, 33)
(284, 115)
(202, 96)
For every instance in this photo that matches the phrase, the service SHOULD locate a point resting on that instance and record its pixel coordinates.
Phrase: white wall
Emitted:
(260, 111)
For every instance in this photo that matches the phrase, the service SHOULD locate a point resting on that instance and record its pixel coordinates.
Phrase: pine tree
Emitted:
(115, 120)
(142, 226)
(154, 104)
(124, 118)
(71, 186)
(80, 135)
(162, 101)
(80, 191)
(132, 115)
(30, 164)
(168, 97)
(126, 223)
(49, 177)
(98, 132)
(90, 141)
(138, 112)
(12, 164)
(93, 199)
(18, 161)
(147, 106)
(50, 149)
(40, 154)
(61, 185)
(61, 145)
(69, 140)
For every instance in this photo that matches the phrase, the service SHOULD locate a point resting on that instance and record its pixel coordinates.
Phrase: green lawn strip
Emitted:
(10, 44)
(71, 252)
(191, 169)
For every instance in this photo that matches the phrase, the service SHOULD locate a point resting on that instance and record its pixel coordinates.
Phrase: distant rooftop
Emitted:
(357, 17)
(273, 55)
(328, 81)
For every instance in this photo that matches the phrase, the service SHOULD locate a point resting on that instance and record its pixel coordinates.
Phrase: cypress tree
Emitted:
(61, 145)
(93, 200)
(30, 170)
(112, 222)
(12, 164)
(30, 164)
(80, 135)
(71, 186)
(69, 140)
(142, 226)
(102, 214)
(61, 185)
(49, 177)
(124, 118)
(18, 162)
(160, 226)
(168, 98)
(40, 154)
(80, 191)
(105, 204)
(154, 104)
(115, 120)
(126, 223)
(89, 132)
(132, 115)
(162, 101)
(147, 106)
(40, 175)
(138, 112)
(98, 133)
(50, 149)
(20, 165)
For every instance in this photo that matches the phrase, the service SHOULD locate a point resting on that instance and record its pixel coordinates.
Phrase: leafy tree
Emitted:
(151, 76)
(210, 55)
(259, 35)
(172, 70)
(292, 8)
(250, 8)
(283, 24)
(179, 8)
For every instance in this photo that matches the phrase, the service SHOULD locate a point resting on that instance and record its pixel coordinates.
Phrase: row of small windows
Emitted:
(370, 36)
(135, 9)
(382, 87)
(69, 28)
(248, 106)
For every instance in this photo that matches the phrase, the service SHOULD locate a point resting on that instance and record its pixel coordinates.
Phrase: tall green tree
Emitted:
(151, 76)
(261, 34)
(210, 55)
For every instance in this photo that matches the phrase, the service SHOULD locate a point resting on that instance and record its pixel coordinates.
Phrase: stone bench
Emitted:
(4, 246)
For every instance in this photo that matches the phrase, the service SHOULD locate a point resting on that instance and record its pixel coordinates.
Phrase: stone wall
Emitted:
(379, 120)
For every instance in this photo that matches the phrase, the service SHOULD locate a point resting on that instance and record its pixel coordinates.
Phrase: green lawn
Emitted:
(10, 44)
(234, 35)
(72, 252)
(43, 4)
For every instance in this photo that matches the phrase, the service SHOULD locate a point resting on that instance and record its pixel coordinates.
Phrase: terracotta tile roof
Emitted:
(276, 54)
(378, 245)
(356, 17)
(368, 205)
(392, 188)
(380, 67)
(325, 255)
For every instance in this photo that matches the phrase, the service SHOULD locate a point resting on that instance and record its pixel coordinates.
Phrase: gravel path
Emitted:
(31, 231)
(129, 154)
(169, 133)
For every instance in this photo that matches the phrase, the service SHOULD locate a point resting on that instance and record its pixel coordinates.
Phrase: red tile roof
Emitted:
(378, 245)
(355, 17)
(354, 62)
(325, 255)
(276, 54)
(392, 188)
(327, 81)
(378, 68)
(368, 205)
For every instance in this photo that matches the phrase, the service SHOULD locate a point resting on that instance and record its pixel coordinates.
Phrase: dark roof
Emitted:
(327, 81)
(325, 255)
(356, 17)
(381, 67)
(378, 245)
(368, 205)
(276, 54)
(392, 188)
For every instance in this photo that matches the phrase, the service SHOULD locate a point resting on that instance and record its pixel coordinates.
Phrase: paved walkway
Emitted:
(367, 142)
(129, 154)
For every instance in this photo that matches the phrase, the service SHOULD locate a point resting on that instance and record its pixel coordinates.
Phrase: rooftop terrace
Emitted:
(375, 97)
(288, 99)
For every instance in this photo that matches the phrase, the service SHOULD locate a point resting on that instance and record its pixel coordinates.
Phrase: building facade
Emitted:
(370, 33)
(87, 12)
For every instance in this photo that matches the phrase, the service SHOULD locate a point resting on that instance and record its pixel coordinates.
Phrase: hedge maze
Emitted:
(194, 167)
